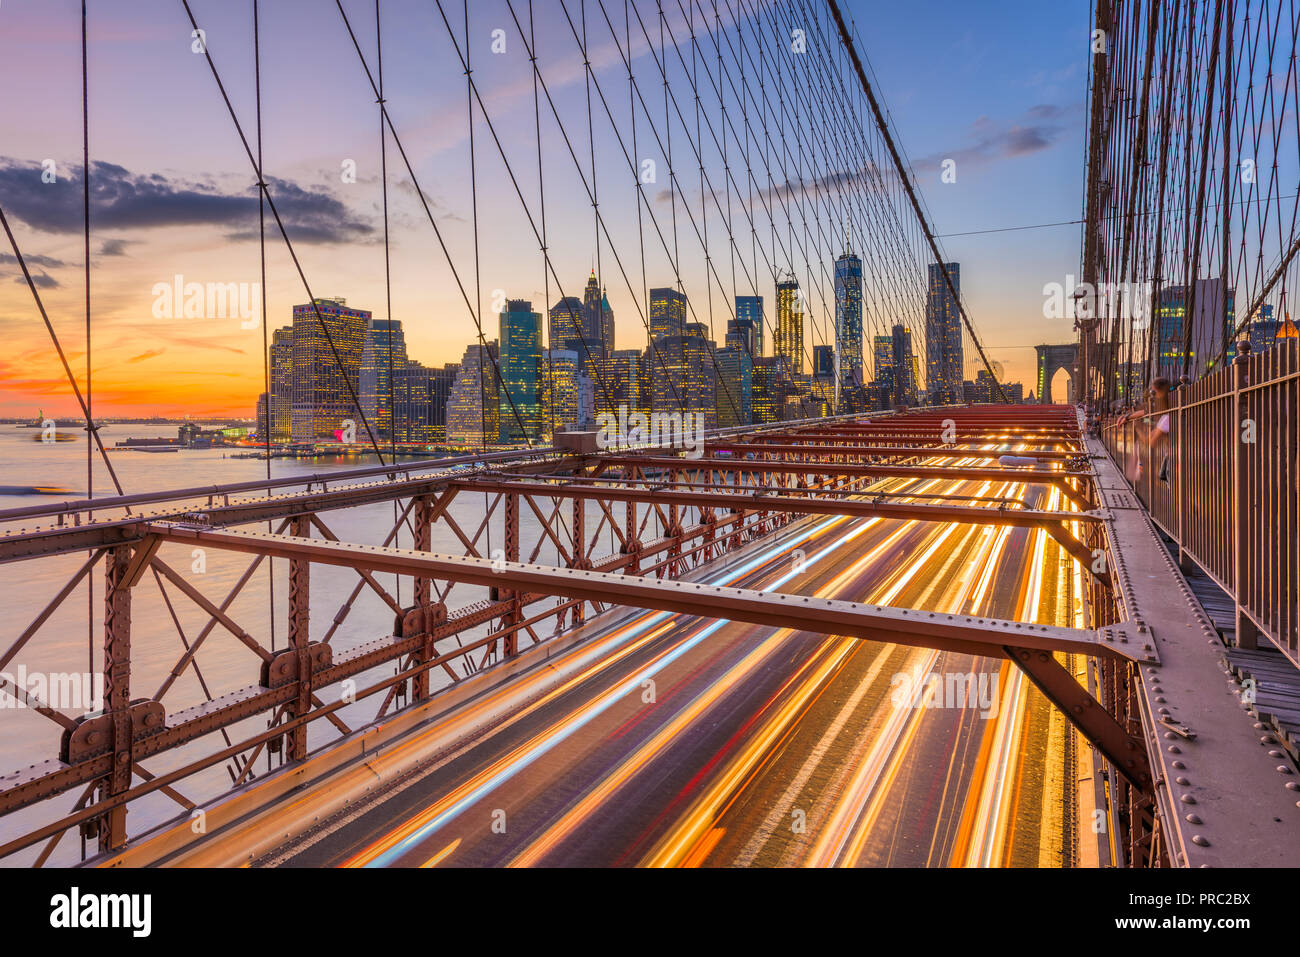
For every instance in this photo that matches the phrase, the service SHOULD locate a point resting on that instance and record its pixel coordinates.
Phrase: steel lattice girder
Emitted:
(1053, 522)
(854, 470)
(1029, 645)
(42, 780)
(813, 445)
(77, 535)
(731, 497)
(921, 431)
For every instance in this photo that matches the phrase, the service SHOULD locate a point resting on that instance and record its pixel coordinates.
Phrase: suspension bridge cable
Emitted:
(262, 185)
(907, 184)
(485, 352)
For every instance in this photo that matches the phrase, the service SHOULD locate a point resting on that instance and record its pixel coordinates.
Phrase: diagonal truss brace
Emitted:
(1030, 646)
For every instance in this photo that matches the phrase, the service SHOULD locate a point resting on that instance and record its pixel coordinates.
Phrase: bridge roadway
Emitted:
(753, 745)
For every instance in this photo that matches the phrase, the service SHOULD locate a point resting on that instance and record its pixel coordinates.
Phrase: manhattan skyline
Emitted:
(164, 206)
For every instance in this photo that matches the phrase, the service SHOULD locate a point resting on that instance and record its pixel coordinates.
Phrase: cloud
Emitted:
(115, 247)
(869, 177)
(32, 259)
(146, 355)
(440, 208)
(122, 200)
(43, 280)
(989, 141)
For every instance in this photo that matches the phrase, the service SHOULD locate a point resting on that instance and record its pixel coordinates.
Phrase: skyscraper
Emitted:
(682, 374)
(823, 377)
(667, 313)
(734, 388)
(667, 357)
(1262, 329)
(623, 383)
(521, 373)
(740, 335)
(904, 366)
(560, 390)
(882, 353)
(789, 325)
(384, 350)
(420, 396)
(565, 329)
(823, 362)
(1265, 331)
(1212, 322)
(281, 399)
(848, 321)
(749, 311)
(325, 376)
(473, 410)
(943, 346)
(598, 319)
(766, 394)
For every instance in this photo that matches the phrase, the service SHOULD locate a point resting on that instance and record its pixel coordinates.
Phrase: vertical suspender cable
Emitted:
(85, 202)
(388, 277)
(266, 355)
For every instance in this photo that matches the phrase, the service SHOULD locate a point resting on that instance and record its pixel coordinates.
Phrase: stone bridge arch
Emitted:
(1051, 359)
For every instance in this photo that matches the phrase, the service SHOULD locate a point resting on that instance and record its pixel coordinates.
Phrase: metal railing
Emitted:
(1225, 485)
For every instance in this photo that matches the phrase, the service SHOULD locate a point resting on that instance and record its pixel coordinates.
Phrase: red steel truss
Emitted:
(662, 514)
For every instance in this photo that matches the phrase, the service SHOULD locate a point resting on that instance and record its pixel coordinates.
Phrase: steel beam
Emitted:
(300, 640)
(811, 445)
(117, 689)
(101, 533)
(1053, 522)
(1058, 480)
(1224, 800)
(1029, 645)
(42, 780)
(811, 504)
(881, 623)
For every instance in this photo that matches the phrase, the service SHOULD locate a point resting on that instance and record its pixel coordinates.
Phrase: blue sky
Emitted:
(998, 88)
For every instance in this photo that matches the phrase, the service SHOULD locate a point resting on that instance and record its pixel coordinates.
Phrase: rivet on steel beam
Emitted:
(1200, 840)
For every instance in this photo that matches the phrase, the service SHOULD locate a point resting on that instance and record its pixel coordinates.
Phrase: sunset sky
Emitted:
(999, 88)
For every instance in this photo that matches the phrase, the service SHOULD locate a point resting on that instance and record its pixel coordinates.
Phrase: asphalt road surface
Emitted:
(692, 741)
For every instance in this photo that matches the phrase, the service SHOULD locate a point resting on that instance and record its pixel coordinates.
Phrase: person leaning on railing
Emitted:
(1158, 403)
